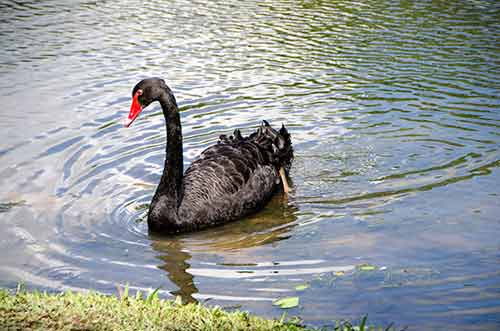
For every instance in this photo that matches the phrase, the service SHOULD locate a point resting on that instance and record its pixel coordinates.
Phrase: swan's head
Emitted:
(144, 93)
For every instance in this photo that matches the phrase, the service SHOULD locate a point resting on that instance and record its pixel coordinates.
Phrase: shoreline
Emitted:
(35, 310)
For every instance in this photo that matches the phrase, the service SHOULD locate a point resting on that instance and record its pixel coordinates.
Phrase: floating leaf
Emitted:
(367, 267)
(285, 303)
(301, 287)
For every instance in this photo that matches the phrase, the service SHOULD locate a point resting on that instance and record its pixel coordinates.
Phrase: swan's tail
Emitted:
(276, 144)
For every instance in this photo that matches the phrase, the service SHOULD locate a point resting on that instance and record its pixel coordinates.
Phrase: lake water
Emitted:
(394, 111)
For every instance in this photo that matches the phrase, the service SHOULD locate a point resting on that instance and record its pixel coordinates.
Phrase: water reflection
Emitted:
(271, 225)
(393, 110)
(176, 258)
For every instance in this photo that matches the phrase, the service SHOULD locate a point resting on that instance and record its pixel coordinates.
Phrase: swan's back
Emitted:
(235, 177)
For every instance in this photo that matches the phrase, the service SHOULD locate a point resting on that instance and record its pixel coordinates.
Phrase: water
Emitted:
(394, 113)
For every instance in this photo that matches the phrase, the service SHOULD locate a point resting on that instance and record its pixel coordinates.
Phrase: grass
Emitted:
(95, 312)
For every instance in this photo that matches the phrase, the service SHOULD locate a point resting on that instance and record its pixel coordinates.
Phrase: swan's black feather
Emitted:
(233, 178)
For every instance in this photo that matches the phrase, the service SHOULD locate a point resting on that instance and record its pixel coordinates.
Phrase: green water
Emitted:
(394, 111)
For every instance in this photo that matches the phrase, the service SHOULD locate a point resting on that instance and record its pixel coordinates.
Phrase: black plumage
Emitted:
(233, 178)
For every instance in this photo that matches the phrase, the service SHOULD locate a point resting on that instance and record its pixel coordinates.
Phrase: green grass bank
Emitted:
(94, 311)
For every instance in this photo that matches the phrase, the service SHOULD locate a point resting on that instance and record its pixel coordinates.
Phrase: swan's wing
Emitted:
(225, 183)
(221, 169)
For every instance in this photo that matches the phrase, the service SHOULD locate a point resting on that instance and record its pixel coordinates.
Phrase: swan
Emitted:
(235, 177)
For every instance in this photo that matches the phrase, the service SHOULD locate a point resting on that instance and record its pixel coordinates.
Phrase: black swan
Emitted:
(235, 177)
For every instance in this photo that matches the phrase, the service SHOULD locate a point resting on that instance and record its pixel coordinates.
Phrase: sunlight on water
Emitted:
(393, 109)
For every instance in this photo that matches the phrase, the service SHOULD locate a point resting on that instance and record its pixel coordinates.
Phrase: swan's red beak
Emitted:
(135, 109)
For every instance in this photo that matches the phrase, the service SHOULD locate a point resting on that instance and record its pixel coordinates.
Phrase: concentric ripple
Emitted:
(394, 112)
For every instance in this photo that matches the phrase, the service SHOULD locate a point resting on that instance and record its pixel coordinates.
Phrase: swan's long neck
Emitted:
(173, 170)
(163, 209)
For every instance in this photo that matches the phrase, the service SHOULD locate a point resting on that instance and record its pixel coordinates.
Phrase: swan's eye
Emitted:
(140, 98)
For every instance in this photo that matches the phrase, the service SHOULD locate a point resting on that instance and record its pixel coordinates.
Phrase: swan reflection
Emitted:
(273, 224)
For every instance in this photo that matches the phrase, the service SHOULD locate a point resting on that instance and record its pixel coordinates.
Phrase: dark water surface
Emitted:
(394, 110)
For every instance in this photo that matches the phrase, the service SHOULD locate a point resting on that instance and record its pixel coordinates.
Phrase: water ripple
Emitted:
(393, 109)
